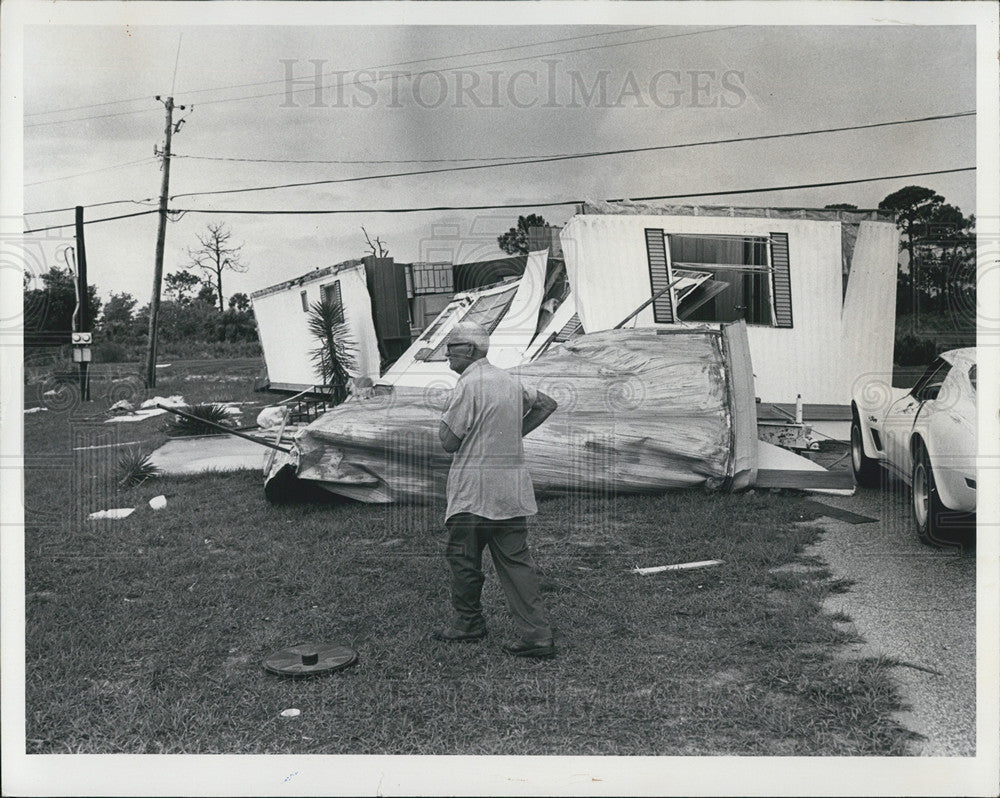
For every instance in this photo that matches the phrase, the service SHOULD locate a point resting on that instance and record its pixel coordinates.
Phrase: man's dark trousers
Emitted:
(468, 535)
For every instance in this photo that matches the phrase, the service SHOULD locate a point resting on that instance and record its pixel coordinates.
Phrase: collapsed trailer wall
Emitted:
(282, 314)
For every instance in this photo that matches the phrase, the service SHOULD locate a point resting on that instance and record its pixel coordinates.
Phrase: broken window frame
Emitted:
(505, 295)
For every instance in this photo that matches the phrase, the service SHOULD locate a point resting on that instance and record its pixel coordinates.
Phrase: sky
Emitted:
(463, 92)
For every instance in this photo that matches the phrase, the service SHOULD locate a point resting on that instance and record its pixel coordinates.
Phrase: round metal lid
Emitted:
(310, 659)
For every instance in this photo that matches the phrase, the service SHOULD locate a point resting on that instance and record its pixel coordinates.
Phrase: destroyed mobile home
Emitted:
(657, 332)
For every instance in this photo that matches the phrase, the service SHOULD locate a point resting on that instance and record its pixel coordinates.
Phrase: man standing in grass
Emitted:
(490, 493)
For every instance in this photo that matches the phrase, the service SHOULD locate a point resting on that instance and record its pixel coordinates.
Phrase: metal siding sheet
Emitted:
(868, 318)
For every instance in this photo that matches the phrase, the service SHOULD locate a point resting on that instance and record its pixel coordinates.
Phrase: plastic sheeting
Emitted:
(639, 411)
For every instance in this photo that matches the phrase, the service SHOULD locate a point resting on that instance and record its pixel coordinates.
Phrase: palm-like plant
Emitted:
(192, 423)
(134, 467)
(335, 357)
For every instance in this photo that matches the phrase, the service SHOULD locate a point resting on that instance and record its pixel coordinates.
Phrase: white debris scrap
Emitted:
(684, 566)
(291, 713)
(124, 405)
(158, 502)
(166, 401)
(270, 417)
(36, 410)
(138, 415)
(115, 514)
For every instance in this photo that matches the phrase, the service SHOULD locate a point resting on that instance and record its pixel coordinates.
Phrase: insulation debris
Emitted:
(684, 566)
(115, 514)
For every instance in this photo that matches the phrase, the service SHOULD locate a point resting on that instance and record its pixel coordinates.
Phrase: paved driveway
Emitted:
(915, 604)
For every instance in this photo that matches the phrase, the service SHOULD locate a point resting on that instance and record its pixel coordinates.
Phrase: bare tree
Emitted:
(378, 248)
(215, 256)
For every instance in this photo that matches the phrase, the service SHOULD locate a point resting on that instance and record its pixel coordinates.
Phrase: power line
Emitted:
(518, 158)
(568, 157)
(546, 204)
(545, 159)
(355, 161)
(549, 204)
(381, 66)
(92, 171)
(92, 205)
(407, 74)
(90, 221)
(801, 185)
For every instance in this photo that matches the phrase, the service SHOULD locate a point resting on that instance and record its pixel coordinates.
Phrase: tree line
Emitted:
(193, 310)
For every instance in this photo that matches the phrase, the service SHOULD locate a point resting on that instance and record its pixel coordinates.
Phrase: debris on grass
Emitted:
(684, 566)
(135, 467)
(122, 406)
(166, 401)
(270, 417)
(36, 410)
(158, 502)
(138, 415)
(190, 455)
(292, 712)
(115, 514)
(106, 446)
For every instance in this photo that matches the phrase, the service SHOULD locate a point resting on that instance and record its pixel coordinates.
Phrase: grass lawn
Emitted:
(146, 635)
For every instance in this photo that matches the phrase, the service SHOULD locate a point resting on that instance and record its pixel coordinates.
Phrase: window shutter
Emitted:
(781, 279)
(659, 275)
(333, 298)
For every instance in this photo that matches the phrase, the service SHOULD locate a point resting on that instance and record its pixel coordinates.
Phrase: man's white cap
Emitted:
(468, 332)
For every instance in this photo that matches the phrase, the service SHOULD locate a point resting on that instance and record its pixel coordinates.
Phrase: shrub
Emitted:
(913, 350)
(216, 413)
(134, 467)
(109, 352)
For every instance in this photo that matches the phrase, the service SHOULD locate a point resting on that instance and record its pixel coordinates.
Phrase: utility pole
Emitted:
(161, 234)
(81, 334)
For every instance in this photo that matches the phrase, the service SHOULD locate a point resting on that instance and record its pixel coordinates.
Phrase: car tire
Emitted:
(928, 511)
(867, 472)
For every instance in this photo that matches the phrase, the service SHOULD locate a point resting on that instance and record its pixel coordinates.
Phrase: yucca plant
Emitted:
(336, 355)
(216, 413)
(134, 467)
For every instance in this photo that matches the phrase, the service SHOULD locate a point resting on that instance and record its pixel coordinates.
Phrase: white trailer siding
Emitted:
(282, 324)
(829, 344)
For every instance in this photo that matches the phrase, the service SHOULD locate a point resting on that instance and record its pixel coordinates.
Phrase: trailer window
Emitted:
(741, 283)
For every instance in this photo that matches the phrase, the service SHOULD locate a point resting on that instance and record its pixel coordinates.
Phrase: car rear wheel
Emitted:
(928, 511)
(867, 471)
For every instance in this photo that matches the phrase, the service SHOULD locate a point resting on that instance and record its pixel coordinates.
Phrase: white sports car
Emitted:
(926, 436)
